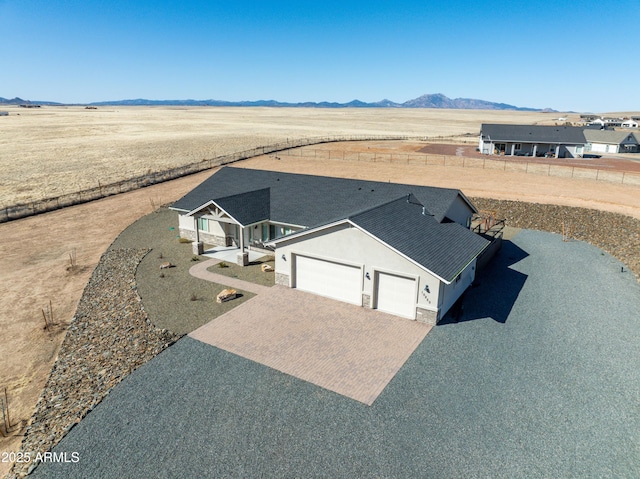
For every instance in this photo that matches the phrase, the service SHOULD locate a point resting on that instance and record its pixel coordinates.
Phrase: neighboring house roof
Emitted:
(612, 137)
(571, 135)
(306, 200)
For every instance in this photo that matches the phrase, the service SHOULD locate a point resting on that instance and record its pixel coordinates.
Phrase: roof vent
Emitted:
(424, 211)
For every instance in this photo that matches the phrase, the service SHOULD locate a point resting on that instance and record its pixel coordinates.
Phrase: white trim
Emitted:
(348, 221)
(212, 202)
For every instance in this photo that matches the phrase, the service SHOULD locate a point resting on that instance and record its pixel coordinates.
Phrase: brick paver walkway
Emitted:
(347, 349)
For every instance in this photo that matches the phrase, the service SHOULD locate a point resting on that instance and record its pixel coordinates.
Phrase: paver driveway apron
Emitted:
(345, 348)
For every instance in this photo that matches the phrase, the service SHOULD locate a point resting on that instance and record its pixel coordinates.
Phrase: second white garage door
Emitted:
(396, 295)
(326, 278)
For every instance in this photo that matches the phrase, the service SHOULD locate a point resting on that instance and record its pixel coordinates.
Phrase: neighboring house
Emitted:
(612, 141)
(532, 140)
(629, 123)
(403, 249)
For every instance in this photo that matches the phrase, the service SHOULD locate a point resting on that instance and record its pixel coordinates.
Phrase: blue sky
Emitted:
(566, 55)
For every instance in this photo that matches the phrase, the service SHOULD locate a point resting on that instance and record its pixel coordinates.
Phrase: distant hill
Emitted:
(437, 100)
(20, 101)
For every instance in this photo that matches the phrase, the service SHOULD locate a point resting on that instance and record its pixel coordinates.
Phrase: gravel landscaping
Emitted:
(617, 234)
(537, 380)
(108, 338)
(174, 299)
(548, 387)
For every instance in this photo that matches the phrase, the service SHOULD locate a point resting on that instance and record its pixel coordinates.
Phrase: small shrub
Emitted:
(194, 297)
(162, 275)
(222, 264)
(184, 240)
(160, 256)
(195, 257)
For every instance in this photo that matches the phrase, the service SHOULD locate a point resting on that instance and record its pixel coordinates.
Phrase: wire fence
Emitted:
(299, 148)
(23, 210)
(546, 169)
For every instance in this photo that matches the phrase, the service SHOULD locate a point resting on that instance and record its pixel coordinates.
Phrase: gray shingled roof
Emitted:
(307, 200)
(613, 137)
(247, 208)
(443, 248)
(570, 135)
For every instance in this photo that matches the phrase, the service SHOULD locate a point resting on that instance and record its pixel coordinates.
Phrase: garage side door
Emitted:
(326, 278)
(396, 295)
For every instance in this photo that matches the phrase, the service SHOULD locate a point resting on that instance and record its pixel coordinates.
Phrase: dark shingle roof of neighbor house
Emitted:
(443, 248)
(572, 135)
(307, 200)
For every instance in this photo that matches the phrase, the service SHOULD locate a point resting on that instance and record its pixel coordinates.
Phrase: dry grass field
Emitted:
(49, 151)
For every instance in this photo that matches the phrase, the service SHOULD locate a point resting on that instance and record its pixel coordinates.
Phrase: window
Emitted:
(203, 224)
(265, 232)
(518, 146)
(272, 231)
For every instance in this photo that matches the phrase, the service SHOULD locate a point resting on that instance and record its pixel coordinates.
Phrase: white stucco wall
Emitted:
(348, 244)
(449, 293)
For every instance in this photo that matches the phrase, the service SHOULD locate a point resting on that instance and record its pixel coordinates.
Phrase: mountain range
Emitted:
(436, 100)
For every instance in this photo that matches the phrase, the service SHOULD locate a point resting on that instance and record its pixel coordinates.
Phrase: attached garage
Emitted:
(328, 278)
(395, 294)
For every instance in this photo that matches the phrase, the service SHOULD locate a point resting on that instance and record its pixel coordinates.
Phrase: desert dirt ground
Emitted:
(34, 252)
(49, 151)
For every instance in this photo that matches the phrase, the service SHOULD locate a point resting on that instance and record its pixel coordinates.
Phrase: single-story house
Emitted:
(629, 123)
(612, 141)
(532, 140)
(404, 249)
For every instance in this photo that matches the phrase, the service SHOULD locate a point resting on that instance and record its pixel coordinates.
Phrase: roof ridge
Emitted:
(405, 196)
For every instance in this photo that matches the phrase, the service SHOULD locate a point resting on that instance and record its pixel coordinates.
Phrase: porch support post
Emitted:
(197, 246)
(243, 257)
(535, 150)
(557, 151)
(513, 148)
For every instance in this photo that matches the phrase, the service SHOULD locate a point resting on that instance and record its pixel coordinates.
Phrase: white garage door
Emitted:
(396, 295)
(326, 278)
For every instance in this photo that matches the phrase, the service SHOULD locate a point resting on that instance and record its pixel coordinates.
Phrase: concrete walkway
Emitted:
(200, 271)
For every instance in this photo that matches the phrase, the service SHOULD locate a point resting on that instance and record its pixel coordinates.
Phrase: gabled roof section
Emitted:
(611, 137)
(247, 208)
(571, 135)
(445, 249)
(308, 200)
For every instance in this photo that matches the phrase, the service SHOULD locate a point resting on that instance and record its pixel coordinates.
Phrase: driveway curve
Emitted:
(539, 378)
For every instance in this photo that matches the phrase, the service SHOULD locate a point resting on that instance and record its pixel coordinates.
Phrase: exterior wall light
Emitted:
(284, 258)
(426, 288)
(366, 275)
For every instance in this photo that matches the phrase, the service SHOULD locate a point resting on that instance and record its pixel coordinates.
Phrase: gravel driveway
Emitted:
(538, 379)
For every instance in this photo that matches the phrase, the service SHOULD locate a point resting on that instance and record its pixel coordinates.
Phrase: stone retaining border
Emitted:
(109, 337)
